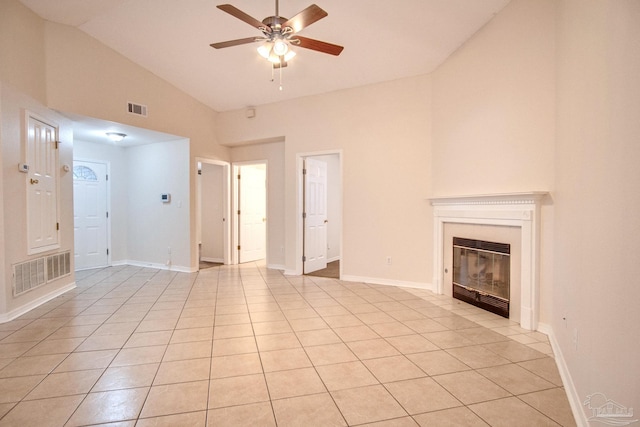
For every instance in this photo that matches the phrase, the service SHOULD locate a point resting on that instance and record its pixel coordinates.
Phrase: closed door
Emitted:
(90, 214)
(315, 215)
(252, 186)
(42, 197)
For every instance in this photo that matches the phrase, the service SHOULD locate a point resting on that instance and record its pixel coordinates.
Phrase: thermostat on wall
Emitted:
(166, 197)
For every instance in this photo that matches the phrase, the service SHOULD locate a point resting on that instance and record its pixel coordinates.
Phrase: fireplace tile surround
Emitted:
(520, 210)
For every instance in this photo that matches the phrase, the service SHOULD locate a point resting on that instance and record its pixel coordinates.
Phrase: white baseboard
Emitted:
(389, 282)
(276, 267)
(335, 258)
(17, 312)
(572, 394)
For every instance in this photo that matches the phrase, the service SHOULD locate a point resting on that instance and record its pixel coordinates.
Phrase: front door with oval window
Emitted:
(90, 216)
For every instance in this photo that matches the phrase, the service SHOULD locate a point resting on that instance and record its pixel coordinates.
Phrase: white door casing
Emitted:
(42, 185)
(252, 215)
(90, 214)
(315, 215)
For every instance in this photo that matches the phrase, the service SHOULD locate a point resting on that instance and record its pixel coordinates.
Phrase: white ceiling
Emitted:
(384, 40)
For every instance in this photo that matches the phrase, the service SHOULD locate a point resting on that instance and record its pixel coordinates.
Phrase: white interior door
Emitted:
(90, 214)
(315, 215)
(252, 188)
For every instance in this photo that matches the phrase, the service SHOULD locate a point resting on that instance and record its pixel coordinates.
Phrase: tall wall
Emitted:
(597, 199)
(384, 133)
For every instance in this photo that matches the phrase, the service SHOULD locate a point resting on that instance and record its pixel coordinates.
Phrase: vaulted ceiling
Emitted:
(384, 40)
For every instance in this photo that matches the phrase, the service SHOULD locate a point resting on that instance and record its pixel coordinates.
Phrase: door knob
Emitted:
(34, 181)
(326, 221)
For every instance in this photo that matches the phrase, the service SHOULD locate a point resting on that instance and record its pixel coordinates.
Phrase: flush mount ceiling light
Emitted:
(116, 136)
(279, 34)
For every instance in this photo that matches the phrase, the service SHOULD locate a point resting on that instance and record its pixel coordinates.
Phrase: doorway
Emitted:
(91, 214)
(320, 204)
(250, 205)
(212, 212)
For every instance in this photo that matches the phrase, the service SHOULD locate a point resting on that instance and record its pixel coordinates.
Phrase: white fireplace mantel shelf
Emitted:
(520, 210)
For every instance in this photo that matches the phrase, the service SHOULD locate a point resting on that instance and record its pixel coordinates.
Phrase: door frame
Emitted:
(226, 205)
(107, 163)
(236, 201)
(299, 247)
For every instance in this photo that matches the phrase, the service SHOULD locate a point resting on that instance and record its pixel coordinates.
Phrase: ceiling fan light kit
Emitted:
(279, 34)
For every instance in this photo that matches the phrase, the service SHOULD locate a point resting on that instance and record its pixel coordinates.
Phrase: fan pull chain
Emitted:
(280, 77)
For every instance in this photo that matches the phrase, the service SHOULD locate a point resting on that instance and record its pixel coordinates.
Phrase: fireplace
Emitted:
(482, 274)
(520, 211)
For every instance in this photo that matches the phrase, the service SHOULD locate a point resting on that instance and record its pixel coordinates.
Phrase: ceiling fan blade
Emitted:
(320, 46)
(233, 42)
(234, 11)
(305, 18)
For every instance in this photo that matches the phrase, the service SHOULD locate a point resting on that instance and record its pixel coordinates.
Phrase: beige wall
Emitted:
(597, 199)
(383, 132)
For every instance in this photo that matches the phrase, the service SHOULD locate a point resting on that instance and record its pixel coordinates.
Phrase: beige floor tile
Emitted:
(229, 346)
(109, 406)
(188, 350)
(314, 410)
(103, 342)
(281, 360)
(15, 389)
(545, 368)
(394, 368)
(510, 412)
(375, 317)
(270, 328)
(143, 339)
(257, 414)
(391, 329)
(477, 356)
(396, 422)
(190, 419)
(181, 371)
(448, 339)
(553, 403)
(481, 335)
(437, 362)
(456, 322)
(330, 354)
(66, 384)
(32, 365)
(195, 322)
(190, 335)
(235, 365)
(203, 311)
(134, 376)
(318, 337)
(455, 417)
(232, 319)
(232, 331)
(470, 387)
(175, 399)
(515, 379)
(367, 404)
(310, 324)
(53, 412)
(346, 375)
(296, 382)
(421, 395)
(139, 355)
(162, 324)
(5, 407)
(423, 326)
(514, 351)
(126, 328)
(16, 349)
(55, 346)
(369, 349)
(277, 342)
(356, 333)
(87, 360)
(235, 391)
(409, 344)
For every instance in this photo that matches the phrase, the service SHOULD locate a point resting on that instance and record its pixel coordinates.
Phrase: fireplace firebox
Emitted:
(481, 274)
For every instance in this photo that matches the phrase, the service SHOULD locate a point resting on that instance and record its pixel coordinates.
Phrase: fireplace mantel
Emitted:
(520, 210)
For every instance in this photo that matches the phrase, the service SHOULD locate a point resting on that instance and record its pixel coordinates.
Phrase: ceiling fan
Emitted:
(279, 33)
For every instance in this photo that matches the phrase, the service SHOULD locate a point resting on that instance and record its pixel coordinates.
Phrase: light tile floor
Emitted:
(244, 345)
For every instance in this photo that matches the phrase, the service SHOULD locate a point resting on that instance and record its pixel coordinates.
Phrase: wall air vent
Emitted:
(37, 272)
(137, 109)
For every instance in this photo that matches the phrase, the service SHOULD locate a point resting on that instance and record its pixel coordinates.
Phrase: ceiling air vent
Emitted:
(137, 109)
